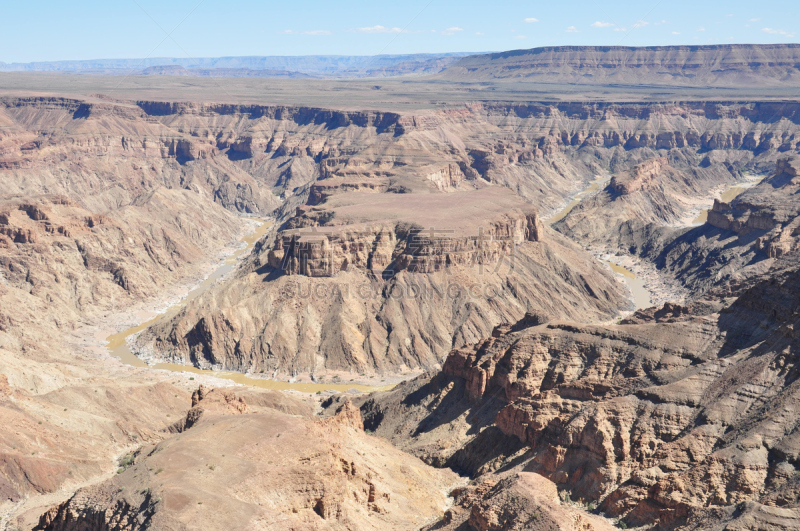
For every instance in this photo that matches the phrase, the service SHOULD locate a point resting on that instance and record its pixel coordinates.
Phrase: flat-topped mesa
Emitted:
(387, 248)
(727, 65)
(639, 177)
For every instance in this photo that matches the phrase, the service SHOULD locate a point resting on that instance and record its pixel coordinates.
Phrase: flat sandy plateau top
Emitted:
(395, 94)
(457, 213)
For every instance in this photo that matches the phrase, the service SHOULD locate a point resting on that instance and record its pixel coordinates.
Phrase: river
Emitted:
(118, 343)
(593, 187)
(641, 296)
(729, 195)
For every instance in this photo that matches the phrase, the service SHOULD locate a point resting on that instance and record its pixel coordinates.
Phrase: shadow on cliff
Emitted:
(431, 414)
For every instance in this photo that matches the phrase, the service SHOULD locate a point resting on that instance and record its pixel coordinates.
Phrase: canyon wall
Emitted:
(380, 180)
(677, 417)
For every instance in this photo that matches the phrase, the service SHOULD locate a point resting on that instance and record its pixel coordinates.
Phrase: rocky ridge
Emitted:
(661, 420)
(268, 469)
(345, 210)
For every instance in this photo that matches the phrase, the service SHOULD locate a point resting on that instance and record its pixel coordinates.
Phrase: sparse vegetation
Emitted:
(126, 461)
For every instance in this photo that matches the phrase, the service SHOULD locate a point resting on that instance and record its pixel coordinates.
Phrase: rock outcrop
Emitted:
(212, 402)
(642, 176)
(667, 419)
(376, 284)
(263, 469)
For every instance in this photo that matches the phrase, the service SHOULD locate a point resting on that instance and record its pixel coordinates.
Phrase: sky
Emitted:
(48, 30)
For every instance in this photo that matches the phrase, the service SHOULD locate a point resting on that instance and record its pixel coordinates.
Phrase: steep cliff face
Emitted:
(360, 293)
(770, 210)
(107, 242)
(104, 153)
(670, 418)
(740, 239)
(373, 183)
(390, 233)
(83, 263)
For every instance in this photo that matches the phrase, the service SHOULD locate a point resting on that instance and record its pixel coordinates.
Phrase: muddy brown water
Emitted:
(641, 296)
(729, 195)
(118, 344)
(593, 187)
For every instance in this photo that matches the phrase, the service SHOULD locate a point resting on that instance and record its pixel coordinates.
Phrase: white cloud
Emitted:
(640, 24)
(660, 23)
(452, 31)
(600, 24)
(755, 20)
(621, 29)
(780, 32)
(520, 37)
(729, 15)
(531, 20)
(572, 29)
(479, 33)
(378, 29)
(676, 32)
(310, 32)
(701, 28)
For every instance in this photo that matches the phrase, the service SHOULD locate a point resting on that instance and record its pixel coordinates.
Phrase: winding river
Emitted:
(641, 296)
(118, 343)
(729, 195)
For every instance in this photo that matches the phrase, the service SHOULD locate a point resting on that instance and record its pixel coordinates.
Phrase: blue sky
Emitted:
(42, 30)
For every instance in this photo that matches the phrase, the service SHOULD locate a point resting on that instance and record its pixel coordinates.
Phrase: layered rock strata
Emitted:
(386, 283)
(673, 418)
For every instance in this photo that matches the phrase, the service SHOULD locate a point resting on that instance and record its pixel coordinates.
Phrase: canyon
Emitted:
(460, 248)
